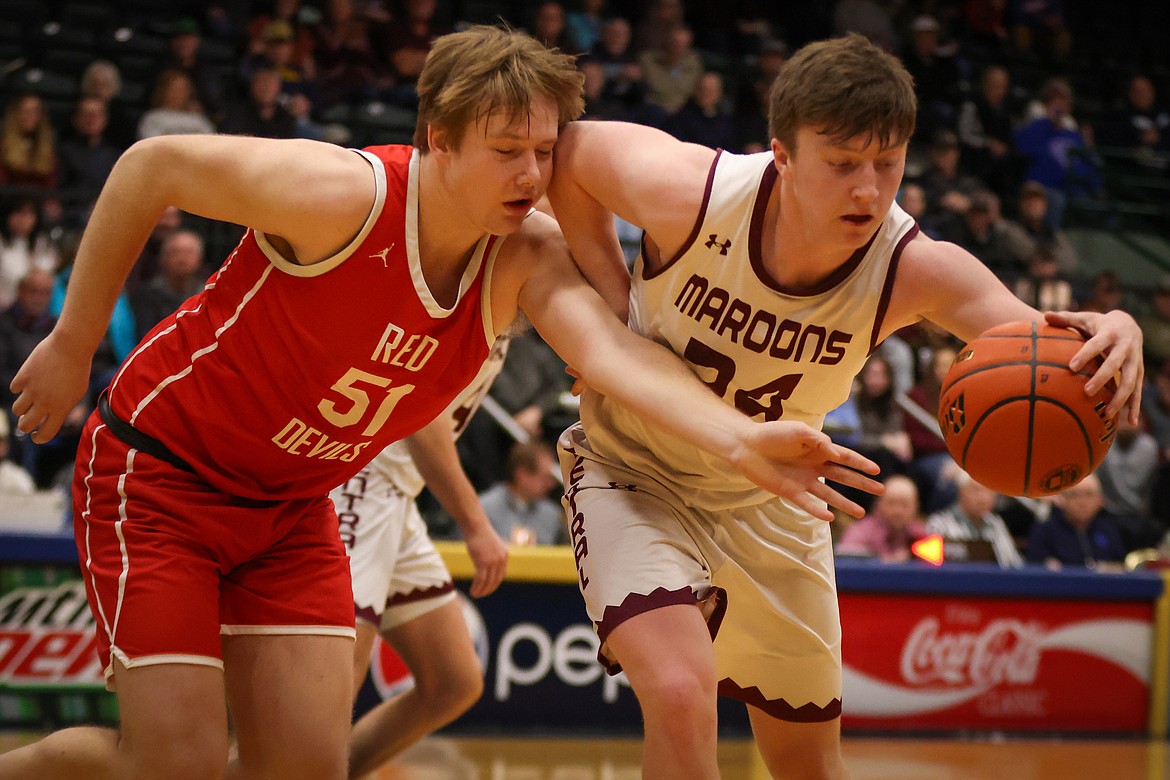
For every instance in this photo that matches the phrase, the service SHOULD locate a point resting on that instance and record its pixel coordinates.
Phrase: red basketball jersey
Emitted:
(281, 381)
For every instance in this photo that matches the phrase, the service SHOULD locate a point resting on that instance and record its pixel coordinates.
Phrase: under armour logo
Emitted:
(629, 488)
(382, 255)
(714, 241)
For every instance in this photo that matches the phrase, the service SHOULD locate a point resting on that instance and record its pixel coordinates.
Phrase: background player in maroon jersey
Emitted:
(790, 233)
(200, 513)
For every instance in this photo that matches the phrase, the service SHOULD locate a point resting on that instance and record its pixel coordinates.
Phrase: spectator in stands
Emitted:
(181, 275)
(28, 145)
(948, 190)
(972, 517)
(1031, 230)
(986, 123)
(548, 27)
(519, 507)
(183, 55)
(672, 71)
(1141, 126)
(1155, 324)
(912, 199)
(888, 532)
(585, 24)
(24, 246)
(658, 24)
(261, 114)
(623, 91)
(1156, 409)
(288, 14)
(1106, 293)
(1127, 474)
(936, 77)
(703, 119)
(930, 457)
(986, 26)
(883, 437)
(1043, 286)
(407, 44)
(600, 103)
(980, 230)
(1078, 532)
(103, 80)
(23, 324)
(174, 110)
(278, 53)
(1039, 28)
(1057, 156)
(347, 67)
(86, 158)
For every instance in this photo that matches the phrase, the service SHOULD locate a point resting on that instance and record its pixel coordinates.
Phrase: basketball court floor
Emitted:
(446, 758)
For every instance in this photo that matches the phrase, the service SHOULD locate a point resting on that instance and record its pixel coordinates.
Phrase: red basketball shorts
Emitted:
(170, 563)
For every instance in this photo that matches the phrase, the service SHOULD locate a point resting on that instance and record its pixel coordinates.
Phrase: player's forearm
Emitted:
(434, 454)
(657, 386)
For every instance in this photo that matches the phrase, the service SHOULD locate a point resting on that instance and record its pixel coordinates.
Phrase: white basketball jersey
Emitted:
(772, 353)
(395, 464)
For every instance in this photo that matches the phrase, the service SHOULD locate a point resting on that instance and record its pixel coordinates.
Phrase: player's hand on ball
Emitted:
(1117, 338)
(790, 458)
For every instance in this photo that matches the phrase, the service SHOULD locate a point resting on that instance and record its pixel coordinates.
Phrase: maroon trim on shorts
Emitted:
(638, 603)
(778, 708)
(888, 286)
(419, 594)
(367, 614)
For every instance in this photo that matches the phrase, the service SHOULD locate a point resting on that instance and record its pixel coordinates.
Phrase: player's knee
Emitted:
(677, 693)
(454, 692)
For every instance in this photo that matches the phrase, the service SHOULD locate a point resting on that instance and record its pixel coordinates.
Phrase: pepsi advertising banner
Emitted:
(968, 648)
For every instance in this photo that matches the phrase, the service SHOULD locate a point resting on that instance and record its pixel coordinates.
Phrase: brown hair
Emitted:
(845, 87)
(471, 74)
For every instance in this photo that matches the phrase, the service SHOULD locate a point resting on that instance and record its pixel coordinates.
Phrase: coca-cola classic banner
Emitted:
(918, 662)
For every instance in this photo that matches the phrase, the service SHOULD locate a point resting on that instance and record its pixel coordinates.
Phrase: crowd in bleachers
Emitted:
(1034, 116)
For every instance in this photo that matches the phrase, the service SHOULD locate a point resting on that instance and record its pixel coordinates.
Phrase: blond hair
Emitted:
(484, 69)
(28, 154)
(845, 87)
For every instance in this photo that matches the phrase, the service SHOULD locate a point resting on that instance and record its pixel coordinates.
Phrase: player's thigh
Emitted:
(635, 550)
(668, 656)
(799, 750)
(363, 648)
(290, 698)
(437, 648)
(173, 720)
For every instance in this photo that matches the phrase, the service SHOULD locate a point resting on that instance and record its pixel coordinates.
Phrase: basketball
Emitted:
(1016, 418)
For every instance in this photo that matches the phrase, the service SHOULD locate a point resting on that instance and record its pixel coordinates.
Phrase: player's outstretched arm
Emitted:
(786, 458)
(950, 287)
(314, 195)
(434, 453)
(1117, 338)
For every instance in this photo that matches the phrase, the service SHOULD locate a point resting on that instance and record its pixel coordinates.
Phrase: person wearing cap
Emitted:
(1031, 230)
(183, 55)
(288, 13)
